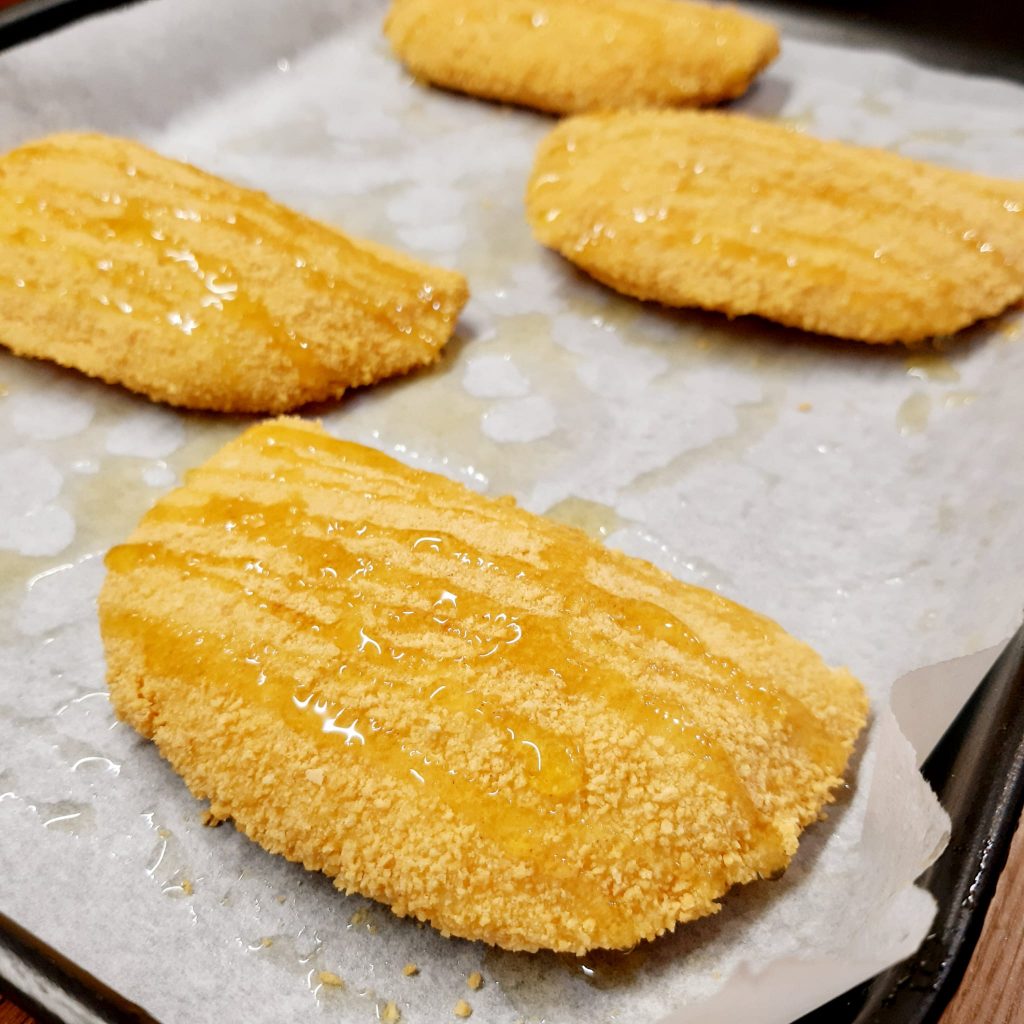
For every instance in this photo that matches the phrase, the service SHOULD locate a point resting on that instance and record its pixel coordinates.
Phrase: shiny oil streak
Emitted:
(401, 633)
(173, 250)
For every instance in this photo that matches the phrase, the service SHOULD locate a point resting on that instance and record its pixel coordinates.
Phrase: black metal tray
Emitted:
(977, 769)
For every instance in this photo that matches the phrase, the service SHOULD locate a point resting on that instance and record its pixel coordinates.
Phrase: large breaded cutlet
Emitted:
(482, 718)
(147, 272)
(729, 213)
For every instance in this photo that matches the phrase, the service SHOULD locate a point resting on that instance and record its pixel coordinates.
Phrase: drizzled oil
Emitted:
(173, 253)
(404, 632)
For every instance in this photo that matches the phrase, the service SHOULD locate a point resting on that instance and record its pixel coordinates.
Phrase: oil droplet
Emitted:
(928, 364)
(913, 414)
(876, 105)
(593, 518)
(65, 816)
(797, 122)
(959, 399)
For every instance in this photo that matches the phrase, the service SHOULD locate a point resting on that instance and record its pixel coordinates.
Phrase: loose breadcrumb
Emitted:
(475, 980)
(186, 887)
(463, 1009)
(805, 407)
(410, 969)
(331, 979)
(391, 1014)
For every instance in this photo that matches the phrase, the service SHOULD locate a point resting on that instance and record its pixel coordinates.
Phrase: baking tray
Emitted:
(977, 769)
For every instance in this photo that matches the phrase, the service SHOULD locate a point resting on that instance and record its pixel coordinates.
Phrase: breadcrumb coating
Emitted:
(727, 213)
(517, 735)
(147, 272)
(568, 56)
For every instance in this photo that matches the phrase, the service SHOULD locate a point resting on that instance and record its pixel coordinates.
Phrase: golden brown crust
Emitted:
(480, 717)
(146, 272)
(727, 213)
(565, 56)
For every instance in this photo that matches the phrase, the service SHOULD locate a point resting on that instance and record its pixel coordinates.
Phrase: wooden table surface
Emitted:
(992, 991)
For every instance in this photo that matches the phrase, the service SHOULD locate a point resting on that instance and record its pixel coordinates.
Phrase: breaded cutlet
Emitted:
(147, 272)
(482, 718)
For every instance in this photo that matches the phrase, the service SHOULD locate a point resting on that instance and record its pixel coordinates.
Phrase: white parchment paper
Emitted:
(870, 500)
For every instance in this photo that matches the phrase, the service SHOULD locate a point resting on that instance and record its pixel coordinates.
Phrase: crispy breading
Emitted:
(518, 735)
(727, 213)
(146, 272)
(567, 56)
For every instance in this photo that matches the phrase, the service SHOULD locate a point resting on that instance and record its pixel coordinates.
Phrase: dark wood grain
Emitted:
(992, 991)
(9, 1013)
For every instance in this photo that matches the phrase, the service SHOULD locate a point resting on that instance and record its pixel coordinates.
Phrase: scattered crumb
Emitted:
(164, 833)
(462, 1009)
(266, 943)
(410, 969)
(357, 918)
(804, 407)
(391, 1013)
(209, 819)
(330, 978)
(281, 898)
(475, 980)
(315, 775)
(186, 887)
